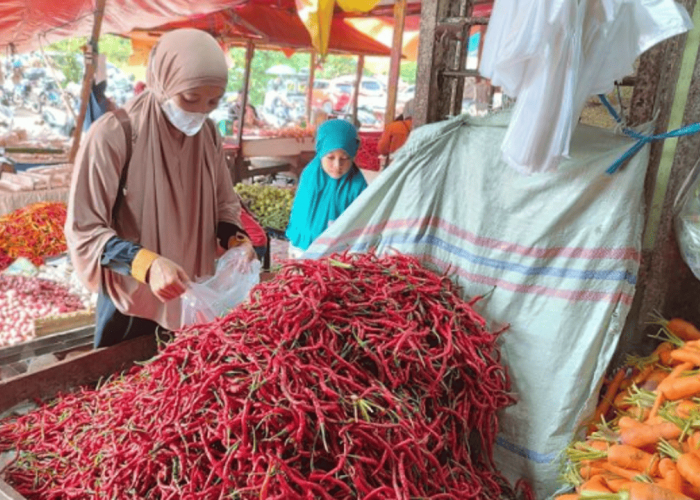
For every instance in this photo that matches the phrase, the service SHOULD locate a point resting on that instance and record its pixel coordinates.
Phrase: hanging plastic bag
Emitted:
(686, 209)
(214, 296)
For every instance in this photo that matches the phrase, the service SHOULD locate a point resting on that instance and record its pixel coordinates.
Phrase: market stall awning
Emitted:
(23, 21)
(317, 16)
(268, 26)
(383, 31)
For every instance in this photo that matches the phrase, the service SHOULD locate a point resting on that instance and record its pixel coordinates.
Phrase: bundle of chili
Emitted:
(347, 377)
(34, 232)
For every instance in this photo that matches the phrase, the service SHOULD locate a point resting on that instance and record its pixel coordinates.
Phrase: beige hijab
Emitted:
(176, 193)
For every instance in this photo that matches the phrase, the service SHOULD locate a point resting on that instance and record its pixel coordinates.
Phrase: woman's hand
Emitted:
(166, 279)
(249, 251)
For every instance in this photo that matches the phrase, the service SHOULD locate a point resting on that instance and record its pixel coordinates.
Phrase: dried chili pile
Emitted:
(367, 156)
(5, 261)
(34, 232)
(343, 378)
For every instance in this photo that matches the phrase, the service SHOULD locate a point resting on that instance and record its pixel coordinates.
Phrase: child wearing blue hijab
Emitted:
(328, 185)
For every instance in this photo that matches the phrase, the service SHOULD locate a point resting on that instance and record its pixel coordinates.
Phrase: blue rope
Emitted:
(642, 140)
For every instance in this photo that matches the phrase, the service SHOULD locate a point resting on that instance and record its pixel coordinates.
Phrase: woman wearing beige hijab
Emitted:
(178, 207)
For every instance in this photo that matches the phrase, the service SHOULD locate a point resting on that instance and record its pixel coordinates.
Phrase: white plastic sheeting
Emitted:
(556, 254)
(553, 55)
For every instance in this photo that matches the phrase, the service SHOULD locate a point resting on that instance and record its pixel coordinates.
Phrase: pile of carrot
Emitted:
(353, 376)
(644, 441)
(34, 232)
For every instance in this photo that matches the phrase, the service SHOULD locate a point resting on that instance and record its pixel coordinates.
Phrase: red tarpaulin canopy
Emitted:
(271, 26)
(273, 21)
(22, 21)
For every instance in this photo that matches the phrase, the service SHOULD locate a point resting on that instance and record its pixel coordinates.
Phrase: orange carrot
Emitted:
(644, 435)
(643, 374)
(608, 397)
(686, 354)
(683, 329)
(620, 402)
(646, 491)
(626, 422)
(688, 464)
(629, 457)
(598, 444)
(654, 379)
(656, 420)
(568, 496)
(615, 482)
(622, 472)
(690, 491)
(596, 483)
(694, 442)
(683, 387)
(590, 469)
(663, 351)
(670, 477)
(661, 390)
(638, 413)
(685, 407)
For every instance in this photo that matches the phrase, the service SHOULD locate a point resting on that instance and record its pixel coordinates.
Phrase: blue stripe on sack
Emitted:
(534, 456)
(499, 264)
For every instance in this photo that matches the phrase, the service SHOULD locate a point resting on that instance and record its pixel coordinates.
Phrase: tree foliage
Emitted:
(408, 71)
(118, 49)
(333, 66)
(67, 54)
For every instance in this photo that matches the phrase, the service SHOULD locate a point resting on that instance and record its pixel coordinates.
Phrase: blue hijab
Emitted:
(320, 198)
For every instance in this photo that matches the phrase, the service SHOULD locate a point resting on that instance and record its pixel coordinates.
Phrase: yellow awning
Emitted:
(318, 14)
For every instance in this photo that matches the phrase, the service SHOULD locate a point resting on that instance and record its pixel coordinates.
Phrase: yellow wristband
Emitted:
(237, 240)
(142, 263)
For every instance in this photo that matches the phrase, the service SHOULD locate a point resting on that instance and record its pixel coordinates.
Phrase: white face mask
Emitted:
(187, 122)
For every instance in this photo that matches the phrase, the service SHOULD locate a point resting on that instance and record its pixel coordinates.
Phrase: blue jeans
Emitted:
(112, 327)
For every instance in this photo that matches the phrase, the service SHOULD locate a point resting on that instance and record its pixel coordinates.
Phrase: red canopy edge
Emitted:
(274, 22)
(23, 21)
(273, 26)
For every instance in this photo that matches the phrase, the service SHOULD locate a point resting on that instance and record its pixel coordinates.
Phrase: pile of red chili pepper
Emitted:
(5, 261)
(367, 156)
(34, 232)
(353, 376)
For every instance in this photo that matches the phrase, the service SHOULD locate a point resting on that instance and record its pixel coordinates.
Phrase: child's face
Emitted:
(336, 163)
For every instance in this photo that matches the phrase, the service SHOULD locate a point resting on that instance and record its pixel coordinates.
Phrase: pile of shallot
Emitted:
(24, 299)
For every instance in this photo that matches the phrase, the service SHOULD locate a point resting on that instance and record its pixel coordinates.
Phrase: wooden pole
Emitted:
(310, 89)
(239, 167)
(395, 64)
(249, 53)
(87, 79)
(358, 82)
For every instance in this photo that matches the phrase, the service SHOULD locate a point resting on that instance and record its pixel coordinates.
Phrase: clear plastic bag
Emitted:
(214, 296)
(687, 220)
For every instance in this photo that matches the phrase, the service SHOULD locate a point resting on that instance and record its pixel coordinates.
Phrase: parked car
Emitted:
(372, 92)
(407, 94)
(320, 97)
(340, 94)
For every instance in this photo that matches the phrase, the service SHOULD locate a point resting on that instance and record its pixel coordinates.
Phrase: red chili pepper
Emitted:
(348, 377)
(33, 232)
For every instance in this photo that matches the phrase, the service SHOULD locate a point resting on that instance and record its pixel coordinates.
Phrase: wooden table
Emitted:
(267, 155)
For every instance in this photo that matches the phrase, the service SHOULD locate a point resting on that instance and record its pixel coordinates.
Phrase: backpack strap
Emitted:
(125, 122)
